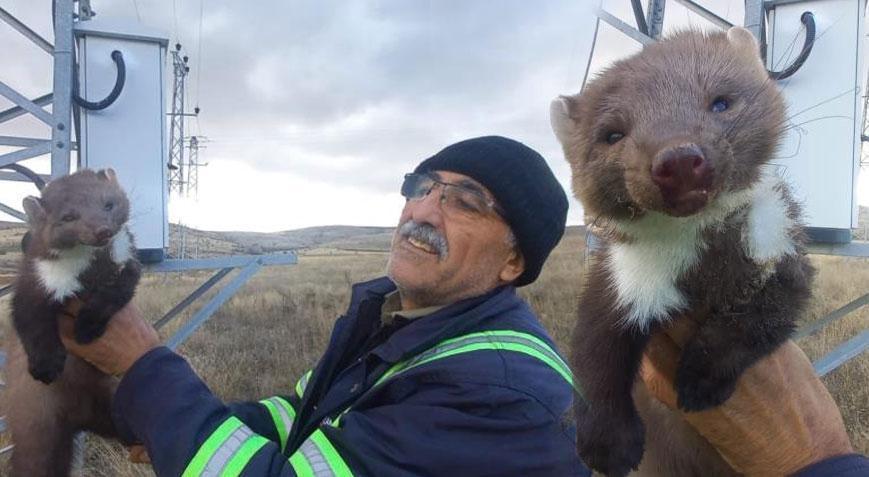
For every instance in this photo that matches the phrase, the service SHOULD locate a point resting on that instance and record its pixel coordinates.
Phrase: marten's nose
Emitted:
(684, 177)
(103, 233)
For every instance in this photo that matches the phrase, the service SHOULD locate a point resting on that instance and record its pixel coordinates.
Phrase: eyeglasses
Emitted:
(455, 199)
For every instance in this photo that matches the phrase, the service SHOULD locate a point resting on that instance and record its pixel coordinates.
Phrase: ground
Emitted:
(278, 325)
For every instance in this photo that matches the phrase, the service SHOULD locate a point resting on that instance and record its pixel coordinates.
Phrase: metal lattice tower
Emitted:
(194, 144)
(177, 166)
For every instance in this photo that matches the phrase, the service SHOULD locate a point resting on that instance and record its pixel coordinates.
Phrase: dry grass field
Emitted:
(277, 326)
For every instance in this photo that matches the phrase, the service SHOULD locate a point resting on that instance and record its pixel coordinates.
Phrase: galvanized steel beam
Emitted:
(707, 14)
(835, 315)
(26, 31)
(754, 20)
(9, 93)
(22, 154)
(13, 212)
(14, 112)
(656, 17)
(14, 176)
(624, 27)
(842, 354)
(232, 261)
(192, 297)
(63, 71)
(205, 313)
(16, 141)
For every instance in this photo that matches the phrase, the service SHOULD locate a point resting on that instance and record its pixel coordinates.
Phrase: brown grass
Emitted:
(278, 325)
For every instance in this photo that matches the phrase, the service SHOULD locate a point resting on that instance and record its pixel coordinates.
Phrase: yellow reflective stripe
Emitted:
(286, 405)
(210, 446)
(281, 427)
(499, 340)
(317, 457)
(300, 465)
(339, 467)
(302, 383)
(241, 458)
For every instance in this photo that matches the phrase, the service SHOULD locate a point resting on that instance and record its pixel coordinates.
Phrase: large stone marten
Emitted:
(77, 246)
(669, 151)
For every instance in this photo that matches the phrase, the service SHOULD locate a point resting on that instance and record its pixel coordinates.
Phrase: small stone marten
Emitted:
(77, 246)
(669, 151)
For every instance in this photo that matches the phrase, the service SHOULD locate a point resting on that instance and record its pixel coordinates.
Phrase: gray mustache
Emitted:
(426, 234)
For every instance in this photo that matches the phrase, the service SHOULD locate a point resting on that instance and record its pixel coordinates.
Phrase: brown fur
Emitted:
(43, 419)
(52, 396)
(655, 104)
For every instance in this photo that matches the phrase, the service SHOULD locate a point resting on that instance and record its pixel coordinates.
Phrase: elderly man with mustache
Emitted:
(440, 368)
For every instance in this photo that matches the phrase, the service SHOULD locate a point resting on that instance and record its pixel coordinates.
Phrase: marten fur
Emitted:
(669, 151)
(77, 246)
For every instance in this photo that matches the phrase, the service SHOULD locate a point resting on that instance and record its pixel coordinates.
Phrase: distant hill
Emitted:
(333, 236)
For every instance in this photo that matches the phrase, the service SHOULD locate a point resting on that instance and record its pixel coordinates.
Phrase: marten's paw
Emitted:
(702, 383)
(48, 367)
(608, 443)
(88, 327)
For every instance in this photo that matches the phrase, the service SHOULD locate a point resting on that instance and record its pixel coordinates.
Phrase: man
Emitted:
(441, 369)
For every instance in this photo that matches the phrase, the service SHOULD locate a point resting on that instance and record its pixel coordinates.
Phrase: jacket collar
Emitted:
(447, 322)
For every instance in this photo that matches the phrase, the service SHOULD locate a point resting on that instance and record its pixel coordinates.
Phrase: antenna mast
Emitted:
(194, 144)
(177, 166)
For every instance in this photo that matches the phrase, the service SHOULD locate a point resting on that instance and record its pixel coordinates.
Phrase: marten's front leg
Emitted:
(105, 301)
(35, 321)
(605, 361)
(735, 337)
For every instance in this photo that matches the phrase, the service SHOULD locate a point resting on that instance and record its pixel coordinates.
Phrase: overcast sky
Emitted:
(316, 109)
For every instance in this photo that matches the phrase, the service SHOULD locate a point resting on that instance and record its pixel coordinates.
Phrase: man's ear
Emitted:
(33, 209)
(513, 268)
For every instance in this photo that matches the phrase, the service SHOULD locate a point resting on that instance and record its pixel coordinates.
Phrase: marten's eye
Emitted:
(109, 206)
(719, 104)
(614, 137)
(69, 217)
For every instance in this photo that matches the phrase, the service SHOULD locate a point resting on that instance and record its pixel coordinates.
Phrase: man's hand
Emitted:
(779, 419)
(126, 339)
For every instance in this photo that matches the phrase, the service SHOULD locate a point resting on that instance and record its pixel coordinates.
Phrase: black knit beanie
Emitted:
(522, 183)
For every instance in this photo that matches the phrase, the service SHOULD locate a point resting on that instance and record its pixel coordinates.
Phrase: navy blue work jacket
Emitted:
(461, 412)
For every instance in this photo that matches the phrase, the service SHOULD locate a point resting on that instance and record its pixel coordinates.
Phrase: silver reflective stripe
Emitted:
(316, 459)
(286, 418)
(224, 453)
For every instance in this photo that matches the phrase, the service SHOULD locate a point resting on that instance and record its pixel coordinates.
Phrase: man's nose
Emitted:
(428, 209)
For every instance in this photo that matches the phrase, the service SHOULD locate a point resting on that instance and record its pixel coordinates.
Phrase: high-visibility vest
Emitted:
(228, 449)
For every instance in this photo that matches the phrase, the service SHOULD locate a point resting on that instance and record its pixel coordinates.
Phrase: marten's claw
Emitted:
(48, 368)
(610, 444)
(700, 385)
(88, 327)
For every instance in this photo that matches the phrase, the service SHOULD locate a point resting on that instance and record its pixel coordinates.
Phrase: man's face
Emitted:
(441, 254)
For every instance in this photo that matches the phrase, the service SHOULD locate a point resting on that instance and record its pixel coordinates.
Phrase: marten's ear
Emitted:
(743, 39)
(25, 241)
(746, 43)
(562, 112)
(34, 210)
(108, 175)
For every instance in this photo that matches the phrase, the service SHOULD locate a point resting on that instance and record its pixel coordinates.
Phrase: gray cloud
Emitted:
(356, 93)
